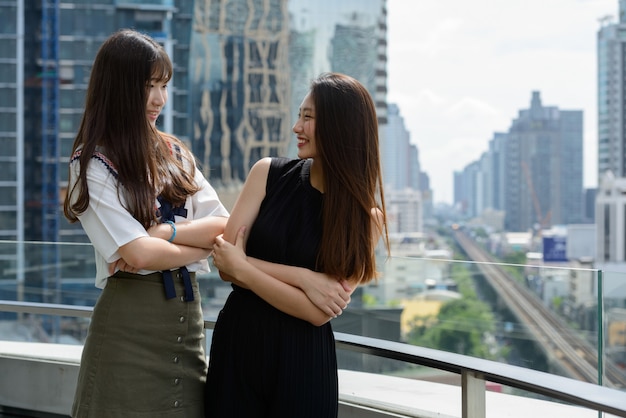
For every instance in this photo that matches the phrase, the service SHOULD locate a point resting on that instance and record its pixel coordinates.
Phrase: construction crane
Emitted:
(543, 221)
(605, 20)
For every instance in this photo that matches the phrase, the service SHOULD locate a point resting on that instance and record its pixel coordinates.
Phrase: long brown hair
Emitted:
(148, 162)
(346, 133)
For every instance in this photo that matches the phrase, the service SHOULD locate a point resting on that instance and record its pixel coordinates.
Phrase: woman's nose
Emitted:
(158, 98)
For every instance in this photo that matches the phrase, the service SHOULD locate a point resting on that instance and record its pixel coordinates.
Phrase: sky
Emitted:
(461, 70)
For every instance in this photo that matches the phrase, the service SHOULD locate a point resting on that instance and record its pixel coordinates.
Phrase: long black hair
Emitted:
(115, 121)
(346, 133)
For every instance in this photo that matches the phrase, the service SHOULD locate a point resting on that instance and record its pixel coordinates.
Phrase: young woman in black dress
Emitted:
(309, 227)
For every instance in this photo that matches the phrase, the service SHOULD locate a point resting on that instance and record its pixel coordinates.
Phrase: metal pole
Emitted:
(19, 153)
(600, 313)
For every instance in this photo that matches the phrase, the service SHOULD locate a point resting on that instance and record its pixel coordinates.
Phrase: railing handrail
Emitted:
(561, 388)
(587, 395)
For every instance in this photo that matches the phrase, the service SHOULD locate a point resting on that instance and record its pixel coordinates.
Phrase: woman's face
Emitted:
(304, 128)
(157, 97)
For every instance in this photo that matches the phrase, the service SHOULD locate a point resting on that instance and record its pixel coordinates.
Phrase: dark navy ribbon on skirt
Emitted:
(166, 213)
(168, 283)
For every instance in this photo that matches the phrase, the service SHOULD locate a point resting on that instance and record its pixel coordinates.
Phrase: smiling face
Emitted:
(304, 128)
(157, 97)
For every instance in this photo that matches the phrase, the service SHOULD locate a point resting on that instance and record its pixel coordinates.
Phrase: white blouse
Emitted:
(109, 225)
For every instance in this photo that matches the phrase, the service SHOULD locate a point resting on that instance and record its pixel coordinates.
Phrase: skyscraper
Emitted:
(397, 159)
(47, 51)
(347, 36)
(401, 176)
(239, 86)
(228, 98)
(236, 63)
(611, 52)
(533, 172)
(544, 170)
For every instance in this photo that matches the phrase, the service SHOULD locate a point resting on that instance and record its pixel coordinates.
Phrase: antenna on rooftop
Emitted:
(606, 20)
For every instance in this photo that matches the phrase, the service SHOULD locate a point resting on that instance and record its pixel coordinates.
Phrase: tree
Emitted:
(460, 327)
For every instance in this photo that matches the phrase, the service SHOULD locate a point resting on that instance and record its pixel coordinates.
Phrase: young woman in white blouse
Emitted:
(152, 218)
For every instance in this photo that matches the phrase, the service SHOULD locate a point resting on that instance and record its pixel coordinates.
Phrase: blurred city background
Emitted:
(518, 198)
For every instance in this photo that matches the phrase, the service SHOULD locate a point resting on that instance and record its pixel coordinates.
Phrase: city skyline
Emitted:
(461, 71)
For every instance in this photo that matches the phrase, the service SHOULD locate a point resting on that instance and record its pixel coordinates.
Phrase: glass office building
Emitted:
(611, 47)
(239, 82)
(347, 36)
(241, 68)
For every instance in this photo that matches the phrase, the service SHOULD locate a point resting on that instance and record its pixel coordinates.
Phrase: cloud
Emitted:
(460, 71)
(471, 107)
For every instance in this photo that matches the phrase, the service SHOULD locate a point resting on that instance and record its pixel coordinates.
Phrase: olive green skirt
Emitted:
(144, 354)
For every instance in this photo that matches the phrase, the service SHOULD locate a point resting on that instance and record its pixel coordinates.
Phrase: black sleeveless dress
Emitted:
(263, 362)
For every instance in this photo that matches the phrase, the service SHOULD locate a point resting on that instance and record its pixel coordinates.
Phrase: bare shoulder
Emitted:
(247, 206)
(257, 177)
(260, 168)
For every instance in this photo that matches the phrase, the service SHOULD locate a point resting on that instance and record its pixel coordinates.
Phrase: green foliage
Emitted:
(395, 303)
(459, 327)
(481, 233)
(518, 257)
(463, 278)
(369, 300)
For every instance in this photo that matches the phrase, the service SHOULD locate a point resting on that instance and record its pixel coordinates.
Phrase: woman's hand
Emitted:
(121, 265)
(228, 257)
(329, 294)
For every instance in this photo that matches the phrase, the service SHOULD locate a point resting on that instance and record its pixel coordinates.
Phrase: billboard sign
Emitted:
(555, 248)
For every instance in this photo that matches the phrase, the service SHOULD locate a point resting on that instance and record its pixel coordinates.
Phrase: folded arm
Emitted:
(232, 261)
(150, 253)
(280, 285)
(199, 232)
(330, 294)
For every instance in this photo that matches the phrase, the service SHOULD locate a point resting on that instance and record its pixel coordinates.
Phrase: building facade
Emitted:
(544, 171)
(533, 172)
(239, 86)
(611, 53)
(47, 49)
(400, 160)
(232, 97)
(347, 36)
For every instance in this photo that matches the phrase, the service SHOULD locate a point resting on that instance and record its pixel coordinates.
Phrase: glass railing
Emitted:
(546, 318)
(561, 320)
(162, 3)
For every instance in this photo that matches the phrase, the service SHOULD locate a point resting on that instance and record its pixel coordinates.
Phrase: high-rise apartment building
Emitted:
(401, 176)
(610, 201)
(400, 161)
(611, 234)
(544, 170)
(347, 36)
(611, 53)
(533, 172)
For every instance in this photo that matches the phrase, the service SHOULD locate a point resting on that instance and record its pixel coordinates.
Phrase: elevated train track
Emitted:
(568, 350)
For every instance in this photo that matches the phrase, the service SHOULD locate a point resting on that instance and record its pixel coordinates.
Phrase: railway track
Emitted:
(573, 353)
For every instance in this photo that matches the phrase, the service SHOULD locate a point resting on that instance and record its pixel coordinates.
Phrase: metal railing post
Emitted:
(473, 394)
